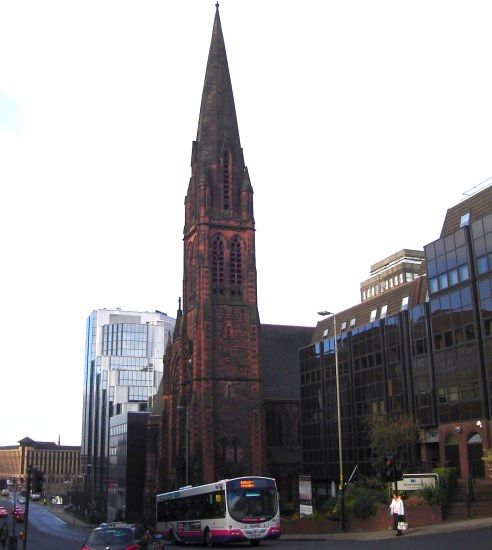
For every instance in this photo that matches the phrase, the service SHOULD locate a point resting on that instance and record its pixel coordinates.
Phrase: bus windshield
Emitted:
(252, 500)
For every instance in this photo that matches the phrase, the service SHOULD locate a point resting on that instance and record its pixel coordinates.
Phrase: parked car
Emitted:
(20, 516)
(5, 493)
(115, 536)
(3, 512)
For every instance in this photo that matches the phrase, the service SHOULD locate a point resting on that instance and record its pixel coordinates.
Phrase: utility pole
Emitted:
(28, 497)
(13, 536)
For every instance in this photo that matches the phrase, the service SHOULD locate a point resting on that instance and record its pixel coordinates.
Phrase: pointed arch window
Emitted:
(235, 263)
(191, 275)
(226, 179)
(217, 264)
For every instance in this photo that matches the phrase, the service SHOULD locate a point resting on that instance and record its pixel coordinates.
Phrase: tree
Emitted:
(390, 436)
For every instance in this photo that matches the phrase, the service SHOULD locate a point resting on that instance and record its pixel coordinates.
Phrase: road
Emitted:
(46, 531)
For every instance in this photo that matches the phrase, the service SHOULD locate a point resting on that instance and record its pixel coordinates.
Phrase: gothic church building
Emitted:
(226, 377)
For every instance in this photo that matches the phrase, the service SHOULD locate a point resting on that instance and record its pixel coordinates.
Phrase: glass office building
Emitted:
(122, 371)
(422, 349)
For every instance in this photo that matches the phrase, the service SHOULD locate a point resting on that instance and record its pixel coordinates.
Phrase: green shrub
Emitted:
(448, 476)
(331, 508)
(434, 496)
(361, 501)
(376, 484)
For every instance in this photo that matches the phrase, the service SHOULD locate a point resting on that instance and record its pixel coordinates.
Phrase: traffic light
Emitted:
(389, 471)
(37, 482)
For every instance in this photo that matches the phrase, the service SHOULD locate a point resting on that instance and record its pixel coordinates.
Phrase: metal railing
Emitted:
(470, 494)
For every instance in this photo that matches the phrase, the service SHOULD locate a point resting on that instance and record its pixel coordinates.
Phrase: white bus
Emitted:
(243, 509)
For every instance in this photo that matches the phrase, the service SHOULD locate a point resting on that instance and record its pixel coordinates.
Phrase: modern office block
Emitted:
(422, 348)
(127, 461)
(123, 369)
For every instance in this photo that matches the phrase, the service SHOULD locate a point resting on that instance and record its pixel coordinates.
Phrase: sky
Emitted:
(361, 123)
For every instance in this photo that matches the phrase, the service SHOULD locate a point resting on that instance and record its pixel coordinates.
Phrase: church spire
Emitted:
(217, 123)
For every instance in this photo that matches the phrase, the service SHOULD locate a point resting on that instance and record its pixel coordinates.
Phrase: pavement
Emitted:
(443, 527)
(67, 517)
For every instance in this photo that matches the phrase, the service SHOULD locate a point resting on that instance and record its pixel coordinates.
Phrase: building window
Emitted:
(374, 312)
(443, 281)
(352, 322)
(226, 179)
(344, 326)
(453, 277)
(482, 266)
(217, 264)
(235, 263)
(463, 271)
(384, 311)
(487, 327)
(325, 333)
(404, 303)
(465, 219)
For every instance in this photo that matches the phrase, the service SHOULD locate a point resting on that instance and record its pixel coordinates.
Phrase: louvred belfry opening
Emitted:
(217, 265)
(226, 178)
(235, 265)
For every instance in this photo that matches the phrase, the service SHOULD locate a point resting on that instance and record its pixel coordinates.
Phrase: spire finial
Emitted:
(217, 5)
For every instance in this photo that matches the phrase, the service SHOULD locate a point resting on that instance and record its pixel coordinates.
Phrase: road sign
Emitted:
(413, 482)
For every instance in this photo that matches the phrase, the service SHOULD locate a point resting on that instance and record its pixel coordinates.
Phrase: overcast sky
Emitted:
(361, 123)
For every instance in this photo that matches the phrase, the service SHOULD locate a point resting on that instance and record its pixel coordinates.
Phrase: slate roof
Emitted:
(217, 121)
(47, 445)
(279, 360)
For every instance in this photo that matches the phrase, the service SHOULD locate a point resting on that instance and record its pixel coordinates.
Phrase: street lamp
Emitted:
(183, 408)
(150, 368)
(339, 417)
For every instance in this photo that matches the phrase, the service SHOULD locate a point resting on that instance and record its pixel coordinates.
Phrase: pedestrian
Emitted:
(4, 534)
(397, 510)
(147, 538)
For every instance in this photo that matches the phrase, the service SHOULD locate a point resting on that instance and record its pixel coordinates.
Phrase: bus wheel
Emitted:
(173, 539)
(208, 538)
(254, 542)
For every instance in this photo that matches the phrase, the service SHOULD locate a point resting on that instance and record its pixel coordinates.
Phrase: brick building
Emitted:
(59, 463)
(420, 347)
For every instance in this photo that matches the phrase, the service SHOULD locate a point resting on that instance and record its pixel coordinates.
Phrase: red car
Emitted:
(18, 514)
(3, 512)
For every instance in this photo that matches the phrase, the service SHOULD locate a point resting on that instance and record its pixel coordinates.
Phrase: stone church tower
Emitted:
(211, 400)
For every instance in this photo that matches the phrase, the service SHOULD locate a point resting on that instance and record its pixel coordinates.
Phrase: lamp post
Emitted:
(151, 369)
(183, 408)
(13, 536)
(90, 480)
(339, 417)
